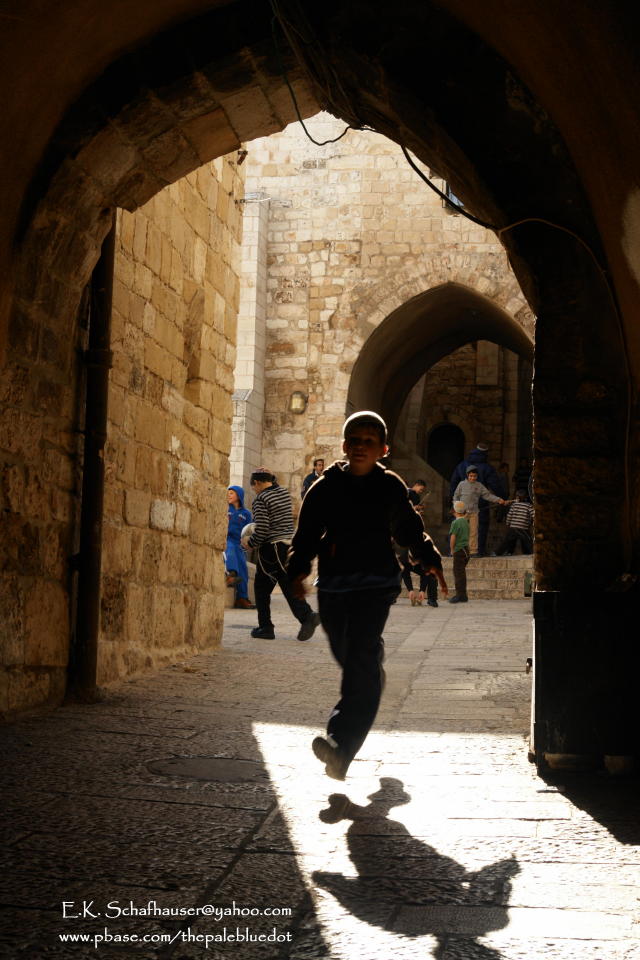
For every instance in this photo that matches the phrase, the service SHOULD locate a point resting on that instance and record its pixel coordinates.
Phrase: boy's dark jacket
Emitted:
(348, 522)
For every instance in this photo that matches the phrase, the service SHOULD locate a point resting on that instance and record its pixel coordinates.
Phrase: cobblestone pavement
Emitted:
(442, 843)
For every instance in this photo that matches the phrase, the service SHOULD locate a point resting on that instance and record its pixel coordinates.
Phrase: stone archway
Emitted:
(535, 133)
(153, 116)
(126, 134)
(420, 332)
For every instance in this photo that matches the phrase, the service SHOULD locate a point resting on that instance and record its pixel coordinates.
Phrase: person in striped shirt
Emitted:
(273, 518)
(519, 523)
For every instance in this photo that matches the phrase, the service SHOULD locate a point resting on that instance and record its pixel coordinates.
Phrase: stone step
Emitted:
(488, 578)
(495, 578)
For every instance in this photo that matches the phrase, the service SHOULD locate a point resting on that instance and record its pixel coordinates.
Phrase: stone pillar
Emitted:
(586, 669)
(586, 604)
(248, 396)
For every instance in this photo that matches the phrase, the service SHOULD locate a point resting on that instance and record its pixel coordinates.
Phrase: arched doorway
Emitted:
(445, 448)
(417, 335)
(523, 136)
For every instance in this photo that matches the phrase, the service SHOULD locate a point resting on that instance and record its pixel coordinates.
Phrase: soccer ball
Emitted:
(247, 531)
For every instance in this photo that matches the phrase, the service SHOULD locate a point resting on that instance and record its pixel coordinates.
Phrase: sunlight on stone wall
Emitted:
(175, 305)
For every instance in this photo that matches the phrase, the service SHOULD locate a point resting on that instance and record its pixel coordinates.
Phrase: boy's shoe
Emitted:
(232, 578)
(308, 626)
(336, 764)
(458, 600)
(263, 633)
(243, 604)
(432, 603)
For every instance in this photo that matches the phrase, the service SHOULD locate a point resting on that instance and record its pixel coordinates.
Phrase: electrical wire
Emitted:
(432, 186)
(499, 231)
(318, 143)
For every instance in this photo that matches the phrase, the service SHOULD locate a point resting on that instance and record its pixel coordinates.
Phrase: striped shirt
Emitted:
(272, 515)
(520, 515)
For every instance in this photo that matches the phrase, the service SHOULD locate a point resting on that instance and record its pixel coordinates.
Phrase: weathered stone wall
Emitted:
(176, 292)
(174, 321)
(456, 391)
(475, 388)
(248, 396)
(38, 501)
(353, 234)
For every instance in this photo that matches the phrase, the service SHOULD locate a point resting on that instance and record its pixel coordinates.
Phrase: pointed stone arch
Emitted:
(413, 336)
(487, 273)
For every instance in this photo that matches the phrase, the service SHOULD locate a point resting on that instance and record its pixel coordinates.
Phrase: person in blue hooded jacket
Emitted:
(488, 476)
(235, 560)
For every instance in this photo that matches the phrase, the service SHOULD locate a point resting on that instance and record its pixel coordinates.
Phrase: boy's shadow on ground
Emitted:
(407, 887)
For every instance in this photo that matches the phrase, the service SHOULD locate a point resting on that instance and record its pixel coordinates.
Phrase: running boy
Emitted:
(348, 519)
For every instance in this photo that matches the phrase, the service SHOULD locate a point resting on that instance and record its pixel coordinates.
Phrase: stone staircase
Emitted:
(488, 578)
(494, 578)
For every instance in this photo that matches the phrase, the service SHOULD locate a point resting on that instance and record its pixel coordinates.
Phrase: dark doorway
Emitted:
(445, 449)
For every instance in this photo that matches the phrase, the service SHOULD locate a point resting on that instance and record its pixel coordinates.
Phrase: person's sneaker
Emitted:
(243, 604)
(432, 603)
(263, 633)
(458, 600)
(232, 578)
(308, 626)
(327, 751)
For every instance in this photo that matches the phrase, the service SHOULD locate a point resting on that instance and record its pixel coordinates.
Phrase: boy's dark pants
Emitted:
(428, 583)
(354, 622)
(460, 561)
(512, 537)
(270, 569)
(484, 519)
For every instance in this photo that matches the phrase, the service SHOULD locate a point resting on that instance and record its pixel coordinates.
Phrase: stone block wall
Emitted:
(248, 397)
(39, 445)
(476, 388)
(353, 234)
(176, 300)
(176, 291)
(459, 388)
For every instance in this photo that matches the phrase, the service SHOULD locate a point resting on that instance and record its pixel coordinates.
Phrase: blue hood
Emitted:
(240, 492)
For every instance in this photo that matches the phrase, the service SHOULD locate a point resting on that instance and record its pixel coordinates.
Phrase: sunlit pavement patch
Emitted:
(432, 848)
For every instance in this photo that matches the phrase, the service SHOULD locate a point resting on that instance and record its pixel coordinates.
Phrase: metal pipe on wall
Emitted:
(98, 361)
